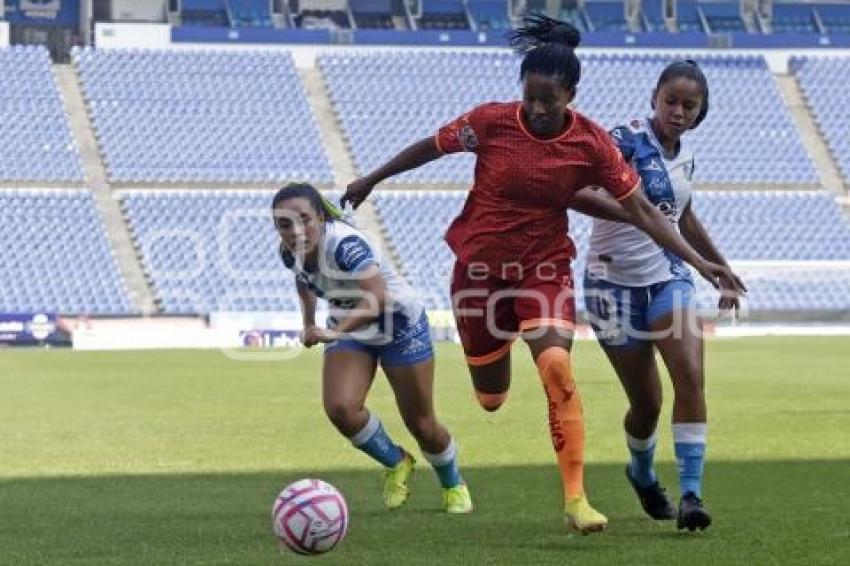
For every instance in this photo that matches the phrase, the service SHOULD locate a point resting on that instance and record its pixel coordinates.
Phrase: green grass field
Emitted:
(176, 457)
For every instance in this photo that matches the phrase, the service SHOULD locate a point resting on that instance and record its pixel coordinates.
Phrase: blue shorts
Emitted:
(411, 344)
(621, 315)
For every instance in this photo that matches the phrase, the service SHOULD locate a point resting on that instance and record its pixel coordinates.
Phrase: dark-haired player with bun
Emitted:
(512, 273)
(640, 297)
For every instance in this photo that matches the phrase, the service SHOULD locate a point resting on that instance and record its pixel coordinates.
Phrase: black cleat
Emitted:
(692, 515)
(653, 499)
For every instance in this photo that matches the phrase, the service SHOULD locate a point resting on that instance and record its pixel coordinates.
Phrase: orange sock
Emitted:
(566, 424)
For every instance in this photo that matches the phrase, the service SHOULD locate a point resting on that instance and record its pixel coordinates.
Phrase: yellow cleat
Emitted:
(396, 490)
(581, 517)
(456, 499)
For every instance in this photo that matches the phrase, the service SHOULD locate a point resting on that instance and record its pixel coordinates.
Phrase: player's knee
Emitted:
(555, 367)
(491, 401)
(422, 427)
(343, 415)
(688, 380)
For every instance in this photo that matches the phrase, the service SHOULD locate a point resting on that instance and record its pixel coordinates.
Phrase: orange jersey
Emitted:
(515, 213)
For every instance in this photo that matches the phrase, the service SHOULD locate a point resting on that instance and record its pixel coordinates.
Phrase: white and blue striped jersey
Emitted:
(345, 251)
(623, 254)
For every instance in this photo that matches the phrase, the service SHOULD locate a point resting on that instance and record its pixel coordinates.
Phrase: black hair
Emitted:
(548, 48)
(322, 206)
(688, 69)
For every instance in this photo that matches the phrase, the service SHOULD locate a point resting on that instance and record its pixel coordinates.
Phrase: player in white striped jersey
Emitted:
(375, 317)
(640, 297)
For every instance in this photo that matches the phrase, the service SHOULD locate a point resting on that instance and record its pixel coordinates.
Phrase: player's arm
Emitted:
(596, 202)
(411, 157)
(308, 304)
(369, 307)
(373, 290)
(698, 237)
(649, 219)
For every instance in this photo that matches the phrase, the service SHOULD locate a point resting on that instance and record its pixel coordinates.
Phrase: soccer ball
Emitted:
(310, 517)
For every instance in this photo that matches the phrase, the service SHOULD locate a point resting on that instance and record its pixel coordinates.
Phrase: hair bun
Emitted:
(566, 34)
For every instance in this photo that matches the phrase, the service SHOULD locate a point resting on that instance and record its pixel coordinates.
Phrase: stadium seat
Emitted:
(37, 141)
(823, 81)
(756, 145)
(606, 15)
(250, 106)
(794, 18)
(723, 16)
(56, 255)
(206, 251)
(443, 15)
(763, 226)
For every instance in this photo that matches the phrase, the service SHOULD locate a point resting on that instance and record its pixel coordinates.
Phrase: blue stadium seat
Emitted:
(148, 108)
(824, 84)
(37, 141)
(764, 226)
(606, 15)
(372, 14)
(723, 16)
(209, 251)
(688, 16)
(795, 18)
(251, 13)
(443, 15)
(490, 15)
(410, 100)
(835, 17)
(205, 13)
(56, 255)
(653, 15)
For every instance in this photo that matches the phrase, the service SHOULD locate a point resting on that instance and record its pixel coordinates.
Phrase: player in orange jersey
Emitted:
(512, 275)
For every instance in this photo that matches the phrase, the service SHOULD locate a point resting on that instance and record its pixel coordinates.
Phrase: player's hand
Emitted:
(357, 191)
(729, 293)
(720, 276)
(313, 335)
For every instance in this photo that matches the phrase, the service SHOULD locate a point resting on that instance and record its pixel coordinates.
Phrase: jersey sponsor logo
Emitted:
(467, 138)
(352, 252)
(617, 133)
(654, 165)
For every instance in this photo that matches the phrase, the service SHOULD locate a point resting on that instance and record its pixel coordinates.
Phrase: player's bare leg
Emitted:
(413, 386)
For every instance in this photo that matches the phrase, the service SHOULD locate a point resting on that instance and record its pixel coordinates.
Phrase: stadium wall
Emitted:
(306, 45)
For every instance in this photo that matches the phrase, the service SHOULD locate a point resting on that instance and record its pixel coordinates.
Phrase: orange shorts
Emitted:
(490, 312)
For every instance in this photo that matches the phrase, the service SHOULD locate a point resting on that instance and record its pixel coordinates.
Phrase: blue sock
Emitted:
(445, 464)
(643, 454)
(689, 441)
(374, 441)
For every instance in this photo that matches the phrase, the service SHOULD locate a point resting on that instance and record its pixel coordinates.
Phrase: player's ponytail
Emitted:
(548, 48)
(322, 206)
(688, 69)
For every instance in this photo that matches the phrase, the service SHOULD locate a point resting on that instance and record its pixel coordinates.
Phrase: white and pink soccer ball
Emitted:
(310, 517)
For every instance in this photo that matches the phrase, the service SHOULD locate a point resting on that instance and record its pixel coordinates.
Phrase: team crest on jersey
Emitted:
(654, 165)
(635, 124)
(467, 138)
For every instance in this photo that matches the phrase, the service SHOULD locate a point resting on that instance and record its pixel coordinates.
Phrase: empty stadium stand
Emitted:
(37, 142)
(209, 250)
(56, 256)
(192, 116)
(747, 226)
(823, 82)
(754, 144)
